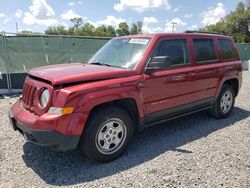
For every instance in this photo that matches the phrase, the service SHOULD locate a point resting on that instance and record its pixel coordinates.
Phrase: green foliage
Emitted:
(26, 32)
(123, 29)
(87, 29)
(101, 31)
(139, 27)
(240, 7)
(111, 31)
(136, 28)
(77, 22)
(57, 30)
(236, 24)
(133, 29)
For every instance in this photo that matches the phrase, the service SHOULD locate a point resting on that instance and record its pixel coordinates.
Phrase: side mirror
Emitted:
(159, 63)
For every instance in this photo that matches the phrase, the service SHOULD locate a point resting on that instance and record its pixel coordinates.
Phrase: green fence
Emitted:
(25, 52)
(244, 51)
(19, 53)
(2, 55)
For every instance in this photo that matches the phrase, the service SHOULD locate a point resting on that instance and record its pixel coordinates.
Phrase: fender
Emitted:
(87, 102)
(228, 71)
(85, 97)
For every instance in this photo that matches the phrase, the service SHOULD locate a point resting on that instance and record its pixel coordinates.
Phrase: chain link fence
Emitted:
(18, 53)
(244, 51)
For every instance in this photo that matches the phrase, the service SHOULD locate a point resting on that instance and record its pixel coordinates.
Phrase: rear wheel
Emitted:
(107, 134)
(224, 104)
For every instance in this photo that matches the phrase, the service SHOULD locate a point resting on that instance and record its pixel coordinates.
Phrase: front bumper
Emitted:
(35, 128)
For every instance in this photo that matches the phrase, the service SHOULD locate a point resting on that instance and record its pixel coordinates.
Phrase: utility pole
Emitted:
(173, 23)
(16, 27)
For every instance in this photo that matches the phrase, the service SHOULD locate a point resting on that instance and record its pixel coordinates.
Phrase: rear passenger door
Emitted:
(207, 69)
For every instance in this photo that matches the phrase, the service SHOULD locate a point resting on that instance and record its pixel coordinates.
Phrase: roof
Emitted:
(188, 34)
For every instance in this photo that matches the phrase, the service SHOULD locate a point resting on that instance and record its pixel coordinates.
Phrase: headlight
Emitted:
(44, 98)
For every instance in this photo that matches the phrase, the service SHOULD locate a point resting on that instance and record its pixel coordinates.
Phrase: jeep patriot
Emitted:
(131, 83)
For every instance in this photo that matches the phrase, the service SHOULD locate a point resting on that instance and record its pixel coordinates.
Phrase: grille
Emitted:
(28, 95)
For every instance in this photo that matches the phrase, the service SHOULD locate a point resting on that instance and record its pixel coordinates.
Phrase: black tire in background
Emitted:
(108, 125)
(220, 109)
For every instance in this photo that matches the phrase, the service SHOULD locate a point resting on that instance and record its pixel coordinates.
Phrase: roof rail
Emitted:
(204, 32)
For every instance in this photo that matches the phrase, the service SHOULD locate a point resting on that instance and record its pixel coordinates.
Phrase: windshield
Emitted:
(121, 52)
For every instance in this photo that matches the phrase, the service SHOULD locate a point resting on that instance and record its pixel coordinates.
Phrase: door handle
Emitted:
(176, 78)
(191, 74)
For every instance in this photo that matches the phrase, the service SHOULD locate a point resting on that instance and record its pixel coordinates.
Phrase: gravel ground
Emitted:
(195, 151)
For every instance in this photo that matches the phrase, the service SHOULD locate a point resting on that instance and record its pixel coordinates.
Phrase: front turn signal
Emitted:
(60, 111)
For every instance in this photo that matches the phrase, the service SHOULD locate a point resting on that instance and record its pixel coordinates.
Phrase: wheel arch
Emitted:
(127, 104)
(234, 83)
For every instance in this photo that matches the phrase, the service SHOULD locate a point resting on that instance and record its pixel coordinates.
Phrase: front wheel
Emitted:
(224, 104)
(107, 134)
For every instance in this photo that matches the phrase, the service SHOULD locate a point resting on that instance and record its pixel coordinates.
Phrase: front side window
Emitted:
(227, 48)
(176, 50)
(204, 50)
(121, 52)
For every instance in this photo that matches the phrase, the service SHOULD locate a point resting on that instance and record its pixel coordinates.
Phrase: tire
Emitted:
(107, 134)
(224, 104)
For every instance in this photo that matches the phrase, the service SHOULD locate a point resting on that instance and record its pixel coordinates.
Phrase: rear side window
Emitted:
(227, 49)
(204, 50)
(175, 49)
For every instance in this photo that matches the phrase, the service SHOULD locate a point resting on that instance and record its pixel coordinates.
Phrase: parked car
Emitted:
(131, 83)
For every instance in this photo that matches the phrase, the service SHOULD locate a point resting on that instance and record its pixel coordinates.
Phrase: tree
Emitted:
(105, 31)
(111, 31)
(139, 27)
(133, 30)
(77, 22)
(236, 24)
(240, 7)
(136, 28)
(89, 30)
(123, 29)
(26, 32)
(57, 30)
(86, 30)
(71, 31)
(101, 31)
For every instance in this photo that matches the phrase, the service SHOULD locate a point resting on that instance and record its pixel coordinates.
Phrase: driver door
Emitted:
(169, 90)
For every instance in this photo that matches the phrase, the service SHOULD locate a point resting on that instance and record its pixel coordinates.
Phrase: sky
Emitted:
(156, 15)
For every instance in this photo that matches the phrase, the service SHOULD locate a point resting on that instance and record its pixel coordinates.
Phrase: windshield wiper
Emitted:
(102, 64)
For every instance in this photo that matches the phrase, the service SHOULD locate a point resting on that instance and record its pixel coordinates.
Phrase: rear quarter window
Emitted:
(204, 50)
(228, 50)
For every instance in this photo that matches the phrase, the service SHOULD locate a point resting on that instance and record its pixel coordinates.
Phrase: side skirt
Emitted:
(176, 116)
(176, 112)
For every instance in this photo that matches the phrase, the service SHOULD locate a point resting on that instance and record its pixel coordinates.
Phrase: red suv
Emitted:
(131, 83)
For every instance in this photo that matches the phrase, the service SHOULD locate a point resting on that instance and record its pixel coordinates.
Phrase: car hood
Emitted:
(78, 72)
